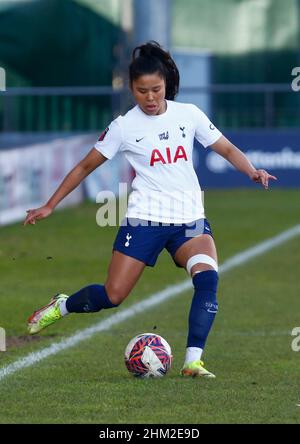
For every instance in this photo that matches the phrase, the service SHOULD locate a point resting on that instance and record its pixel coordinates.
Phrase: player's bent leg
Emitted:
(123, 273)
(199, 257)
(89, 299)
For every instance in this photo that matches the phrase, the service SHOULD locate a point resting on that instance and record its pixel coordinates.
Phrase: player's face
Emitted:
(149, 92)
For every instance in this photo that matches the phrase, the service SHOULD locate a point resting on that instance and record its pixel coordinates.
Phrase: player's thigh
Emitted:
(203, 244)
(123, 273)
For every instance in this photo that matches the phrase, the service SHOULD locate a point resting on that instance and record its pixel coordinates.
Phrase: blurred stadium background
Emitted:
(66, 79)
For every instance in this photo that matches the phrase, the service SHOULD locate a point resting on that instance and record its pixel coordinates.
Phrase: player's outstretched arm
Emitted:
(92, 160)
(238, 159)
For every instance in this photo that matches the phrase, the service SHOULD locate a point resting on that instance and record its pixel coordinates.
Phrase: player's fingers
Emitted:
(27, 221)
(265, 179)
(268, 178)
(261, 177)
(30, 218)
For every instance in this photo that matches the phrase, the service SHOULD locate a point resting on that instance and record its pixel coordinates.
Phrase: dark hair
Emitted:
(151, 58)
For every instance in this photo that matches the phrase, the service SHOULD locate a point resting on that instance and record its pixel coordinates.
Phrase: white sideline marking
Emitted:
(155, 299)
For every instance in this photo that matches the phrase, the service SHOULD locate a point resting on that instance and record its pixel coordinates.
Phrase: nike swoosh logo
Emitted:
(211, 311)
(138, 140)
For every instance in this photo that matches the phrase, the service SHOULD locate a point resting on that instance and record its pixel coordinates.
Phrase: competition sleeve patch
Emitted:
(102, 135)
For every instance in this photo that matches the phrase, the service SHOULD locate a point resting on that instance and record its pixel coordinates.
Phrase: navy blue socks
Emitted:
(203, 309)
(88, 300)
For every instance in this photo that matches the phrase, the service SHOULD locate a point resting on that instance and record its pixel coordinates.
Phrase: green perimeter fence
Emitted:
(42, 109)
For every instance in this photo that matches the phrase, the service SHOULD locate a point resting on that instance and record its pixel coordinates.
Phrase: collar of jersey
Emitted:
(157, 116)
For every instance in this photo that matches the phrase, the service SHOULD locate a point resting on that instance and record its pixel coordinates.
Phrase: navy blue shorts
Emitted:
(144, 240)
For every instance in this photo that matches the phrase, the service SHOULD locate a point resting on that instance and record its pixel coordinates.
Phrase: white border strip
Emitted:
(141, 307)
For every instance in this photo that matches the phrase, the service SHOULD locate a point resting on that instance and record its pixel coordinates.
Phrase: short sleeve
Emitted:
(110, 141)
(206, 133)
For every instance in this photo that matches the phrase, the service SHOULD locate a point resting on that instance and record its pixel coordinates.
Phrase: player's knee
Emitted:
(116, 293)
(200, 267)
(199, 263)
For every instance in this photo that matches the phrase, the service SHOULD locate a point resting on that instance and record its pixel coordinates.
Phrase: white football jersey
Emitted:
(159, 148)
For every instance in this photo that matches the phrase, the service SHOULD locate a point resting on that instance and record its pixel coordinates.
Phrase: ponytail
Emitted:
(151, 58)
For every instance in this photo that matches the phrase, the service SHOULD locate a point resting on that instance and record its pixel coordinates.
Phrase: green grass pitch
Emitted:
(249, 348)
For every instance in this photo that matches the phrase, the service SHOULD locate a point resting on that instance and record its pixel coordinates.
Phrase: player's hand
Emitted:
(37, 214)
(263, 177)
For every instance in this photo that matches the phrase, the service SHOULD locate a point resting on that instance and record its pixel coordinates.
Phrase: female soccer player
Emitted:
(165, 208)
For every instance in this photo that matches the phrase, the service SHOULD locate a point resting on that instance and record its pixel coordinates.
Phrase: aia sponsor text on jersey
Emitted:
(164, 157)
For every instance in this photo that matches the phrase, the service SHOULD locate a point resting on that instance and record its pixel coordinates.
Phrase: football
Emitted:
(148, 355)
